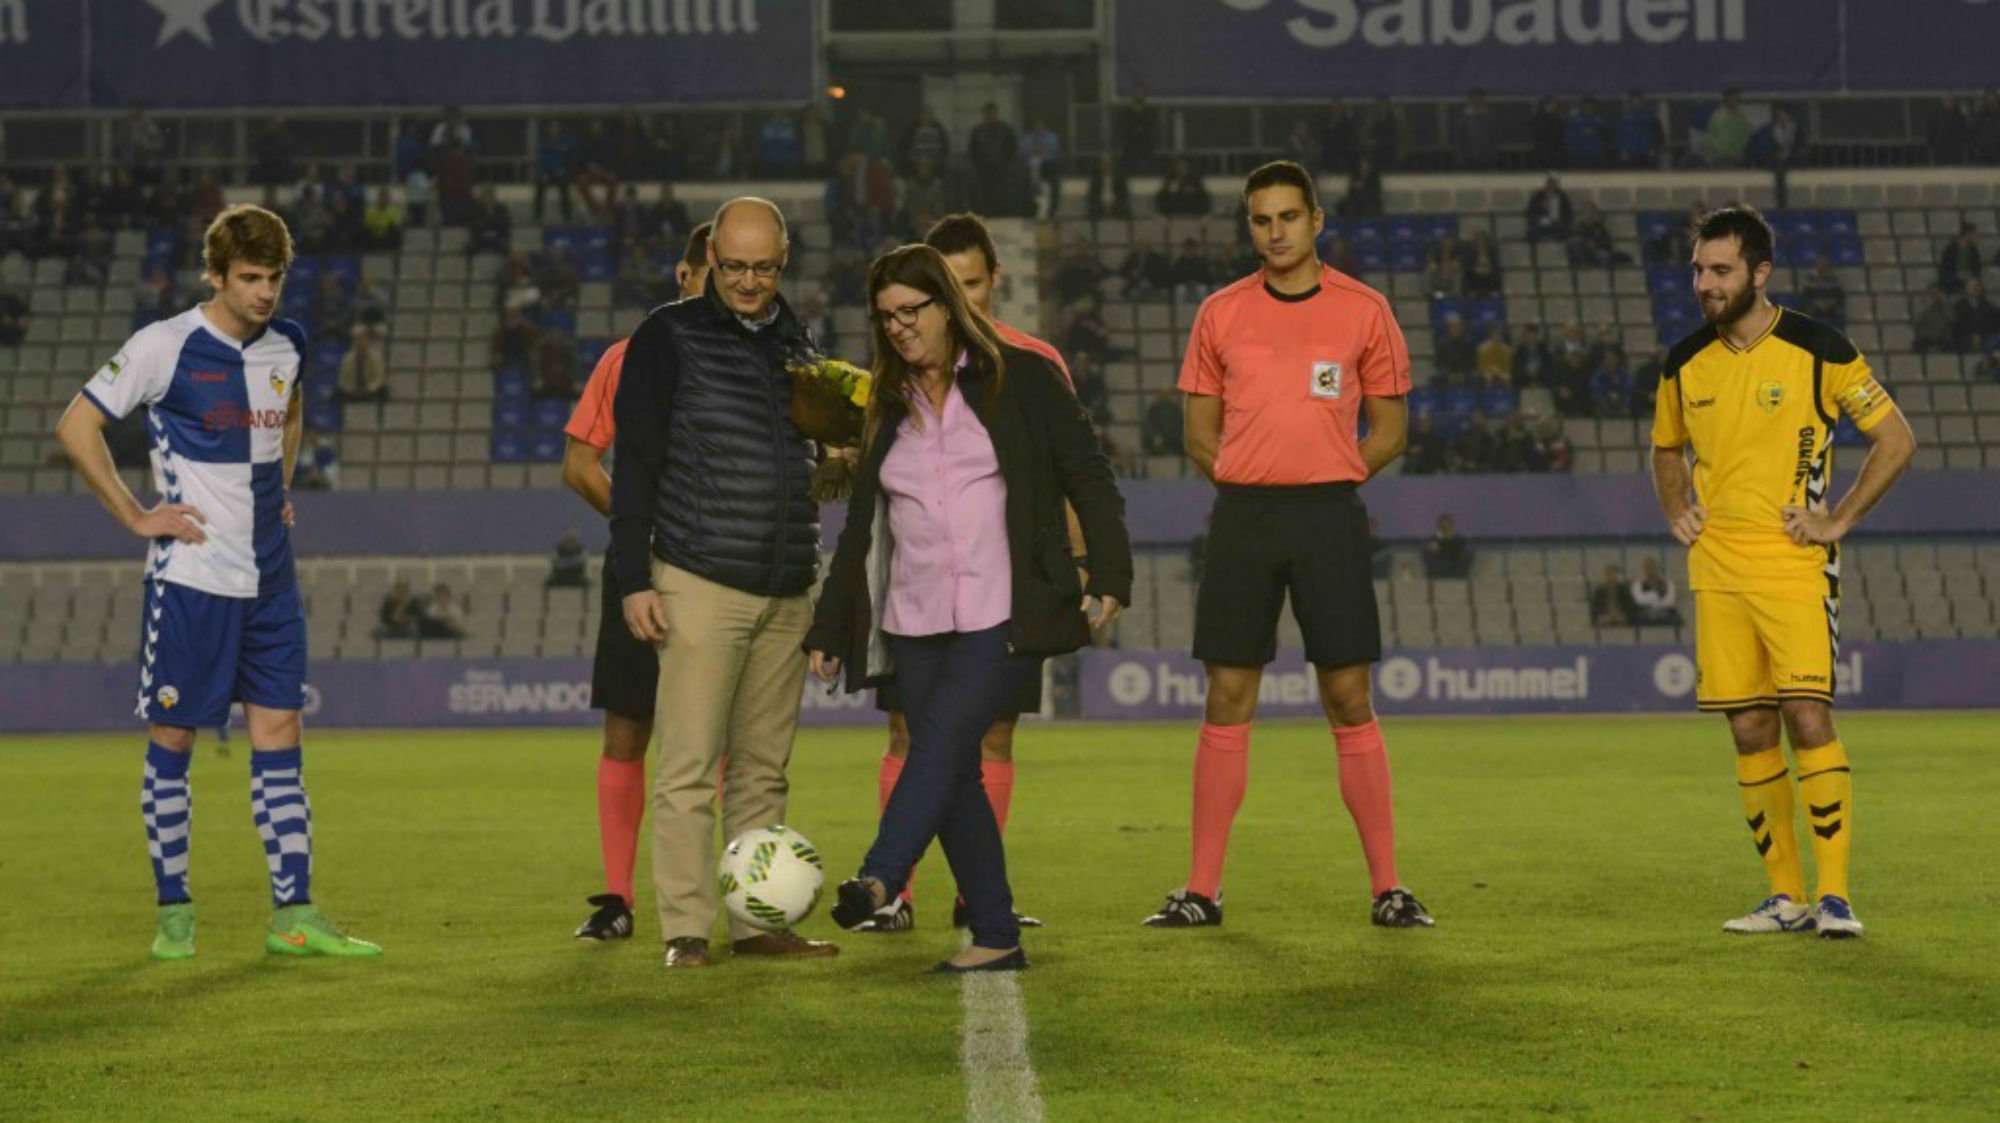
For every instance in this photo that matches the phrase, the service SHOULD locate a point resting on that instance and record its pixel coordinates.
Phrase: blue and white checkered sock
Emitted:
(167, 803)
(284, 820)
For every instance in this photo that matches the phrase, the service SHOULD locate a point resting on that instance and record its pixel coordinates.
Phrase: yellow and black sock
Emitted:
(1767, 806)
(1827, 787)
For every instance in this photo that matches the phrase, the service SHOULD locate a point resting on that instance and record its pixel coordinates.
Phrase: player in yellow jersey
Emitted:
(1754, 396)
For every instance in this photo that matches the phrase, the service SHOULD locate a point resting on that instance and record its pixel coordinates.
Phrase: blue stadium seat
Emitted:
(1499, 401)
(597, 266)
(546, 447)
(1461, 401)
(1658, 224)
(1406, 256)
(550, 413)
(323, 415)
(556, 320)
(508, 447)
(589, 351)
(1844, 248)
(321, 388)
(1423, 401)
(508, 414)
(1666, 278)
(511, 384)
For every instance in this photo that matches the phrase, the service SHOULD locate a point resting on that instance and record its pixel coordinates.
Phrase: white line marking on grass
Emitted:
(999, 1075)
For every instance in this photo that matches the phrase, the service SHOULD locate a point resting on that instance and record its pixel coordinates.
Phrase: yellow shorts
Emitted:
(1757, 649)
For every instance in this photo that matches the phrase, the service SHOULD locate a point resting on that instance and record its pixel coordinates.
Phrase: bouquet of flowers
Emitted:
(829, 399)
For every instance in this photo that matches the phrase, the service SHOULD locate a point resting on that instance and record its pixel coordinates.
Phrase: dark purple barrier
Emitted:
(1126, 685)
(1114, 685)
(1161, 513)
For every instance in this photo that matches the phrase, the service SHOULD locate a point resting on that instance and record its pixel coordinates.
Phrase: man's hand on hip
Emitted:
(645, 617)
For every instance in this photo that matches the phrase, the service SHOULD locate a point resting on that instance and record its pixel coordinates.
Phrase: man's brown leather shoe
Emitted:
(688, 951)
(786, 944)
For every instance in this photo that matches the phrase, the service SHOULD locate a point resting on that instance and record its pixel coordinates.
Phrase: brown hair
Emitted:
(958, 233)
(922, 268)
(1282, 173)
(246, 233)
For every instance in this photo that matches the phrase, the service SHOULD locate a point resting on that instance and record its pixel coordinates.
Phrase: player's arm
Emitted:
(81, 432)
(583, 472)
(1891, 445)
(1675, 486)
(295, 433)
(1388, 431)
(1201, 431)
(640, 415)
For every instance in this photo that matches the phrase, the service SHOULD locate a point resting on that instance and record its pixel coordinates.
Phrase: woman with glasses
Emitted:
(954, 573)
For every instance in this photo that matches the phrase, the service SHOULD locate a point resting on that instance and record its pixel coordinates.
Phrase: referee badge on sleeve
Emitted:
(1326, 378)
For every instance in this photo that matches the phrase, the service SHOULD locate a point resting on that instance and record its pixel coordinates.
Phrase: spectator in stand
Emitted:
(1192, 272)
(152, 297)
(1653, 596)
(1475, 450)
(1570, 383)
(1610, 387)
(1728, 130)
(418, 188)
(371, 310)
(1986, 370)
(1388, 135)
(927, 140)
(456, 174)
(1611, 601)
(1532, 359)
(1959, 261)
(13, 317)
(1339, 142)
(1475, 136)
(1948, 133)
(1105, 178)
(925, 195)
(411, 150)
(1339, 253)
(383, 223)
(1447, 555)
(667, 222)
(1586, 138)
(1137, 135)
(1646, 391)
(1553, 446)
(332, 312)
(1087, 334)
(1496, 358)
(555, 158)
(1825, 296)
(1182, 194)
(1364, 191)
(491, 223)
(20, 231)
(1147, 271)
(869, 137)
(1457, 355)
(1639, 135)
(557, 279)
(1932, 328)
(570, 567)
(400, 614)
(514, 289)
(513, 342)
(1575, 340)
(555, 364)
(451, 129)
(1163, 430)
(1514, 446)
(1482, 273)
(1976, 320)
(441, 615)
(1590, 241)
(1041, 160)
(318, 467)
(1079, 271)
(1444, 267)
(1546, 131)
(273, 156)
(815, 140)
(779, 151)
(1302, 147)
(1091, 391)
(1607, 340)
(1426, 454)
(1550, 215)
(1985, 145)
(598, 171)
(994, 150)
(362, 375)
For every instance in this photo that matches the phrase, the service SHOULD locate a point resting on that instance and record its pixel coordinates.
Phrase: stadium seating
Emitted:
(1516, 594)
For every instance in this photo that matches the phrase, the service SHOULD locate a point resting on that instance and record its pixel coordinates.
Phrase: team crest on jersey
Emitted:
(1770, 395)
(169, 697)
(278, 378)
(1326, 379)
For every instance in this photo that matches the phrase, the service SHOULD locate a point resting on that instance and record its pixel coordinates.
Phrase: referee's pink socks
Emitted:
(1364, 787)
(1221, 774)
(997, 778)
(621, 805)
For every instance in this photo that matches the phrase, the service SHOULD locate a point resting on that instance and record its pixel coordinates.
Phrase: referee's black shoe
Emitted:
(1395, 907)
(958, 917)
(611, 921)
(1187, 909)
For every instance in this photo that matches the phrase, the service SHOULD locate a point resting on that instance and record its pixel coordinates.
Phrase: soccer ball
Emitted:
(770, 878)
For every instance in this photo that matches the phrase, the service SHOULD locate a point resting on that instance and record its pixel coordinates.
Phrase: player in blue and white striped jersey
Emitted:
(223, 620)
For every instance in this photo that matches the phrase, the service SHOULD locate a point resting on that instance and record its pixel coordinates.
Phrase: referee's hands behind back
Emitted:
(645, 618)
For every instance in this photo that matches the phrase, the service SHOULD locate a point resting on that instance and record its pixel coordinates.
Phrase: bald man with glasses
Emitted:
(712, 522)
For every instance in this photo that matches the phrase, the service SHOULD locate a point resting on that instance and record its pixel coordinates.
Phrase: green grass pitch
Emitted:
(1579, 869)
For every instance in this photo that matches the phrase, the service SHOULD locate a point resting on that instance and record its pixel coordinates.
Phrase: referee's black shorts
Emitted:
(1027, 698)
(625, 675)
(1310, 541)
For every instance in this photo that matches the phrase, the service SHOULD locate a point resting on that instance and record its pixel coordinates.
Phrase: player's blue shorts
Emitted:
(198, 653)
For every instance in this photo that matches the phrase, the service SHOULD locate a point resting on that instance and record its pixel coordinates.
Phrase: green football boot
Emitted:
(175, 936)
(303, 930)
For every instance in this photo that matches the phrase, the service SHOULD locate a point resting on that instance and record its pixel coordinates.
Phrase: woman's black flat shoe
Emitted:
(1016, 960)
